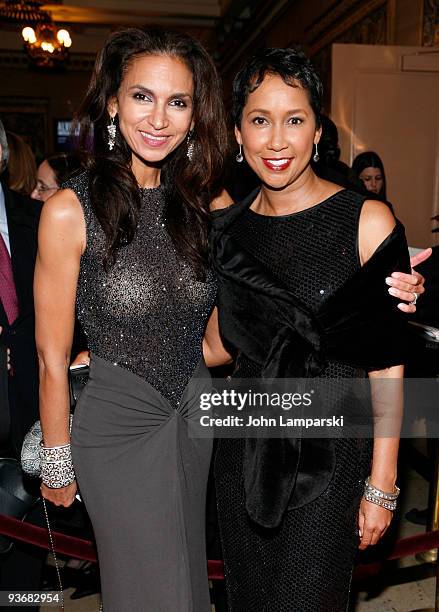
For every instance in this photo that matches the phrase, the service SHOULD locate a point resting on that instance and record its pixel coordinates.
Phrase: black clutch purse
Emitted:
(78, 377)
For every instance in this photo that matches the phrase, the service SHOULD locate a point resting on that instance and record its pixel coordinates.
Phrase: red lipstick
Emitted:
(277, 164)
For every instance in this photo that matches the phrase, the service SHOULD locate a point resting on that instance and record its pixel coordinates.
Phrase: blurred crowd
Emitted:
(24, 186)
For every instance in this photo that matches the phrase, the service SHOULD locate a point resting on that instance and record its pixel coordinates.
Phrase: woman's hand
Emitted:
(376, 223)
(65, 496)
(408, 286)
(373, 521)
(82, 358)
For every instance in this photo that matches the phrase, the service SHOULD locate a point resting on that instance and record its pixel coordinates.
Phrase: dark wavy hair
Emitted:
(291, 65)
(188, 184)
(369, 159)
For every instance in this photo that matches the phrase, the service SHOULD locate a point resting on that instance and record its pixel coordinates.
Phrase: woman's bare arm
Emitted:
(376, 223)
(61, 241)
(213, 349)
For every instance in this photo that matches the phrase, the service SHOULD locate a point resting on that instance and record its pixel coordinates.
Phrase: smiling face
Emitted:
(372, 179)
(278, 131)
(154, 105)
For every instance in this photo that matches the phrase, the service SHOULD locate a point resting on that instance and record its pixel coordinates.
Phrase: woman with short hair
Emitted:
(292, 261)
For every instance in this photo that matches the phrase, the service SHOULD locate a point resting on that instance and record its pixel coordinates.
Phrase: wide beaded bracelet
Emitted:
(379, 497)
(57, 466)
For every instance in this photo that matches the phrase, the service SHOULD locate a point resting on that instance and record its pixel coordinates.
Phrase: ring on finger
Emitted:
(414, 300)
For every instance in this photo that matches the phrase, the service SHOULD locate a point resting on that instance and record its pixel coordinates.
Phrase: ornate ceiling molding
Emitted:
(110, 12)
(242, 26)
(17, 60)
(344, 16)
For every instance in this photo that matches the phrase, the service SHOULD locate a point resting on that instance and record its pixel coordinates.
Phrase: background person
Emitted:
(326, 161)
(368, 168)
(22, 168)
(20, 569)
(53, 172)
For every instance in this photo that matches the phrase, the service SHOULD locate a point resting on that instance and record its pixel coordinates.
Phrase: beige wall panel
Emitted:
(379, 106)
(409, 22)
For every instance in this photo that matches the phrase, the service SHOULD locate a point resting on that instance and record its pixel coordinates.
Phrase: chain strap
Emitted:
(55, 558)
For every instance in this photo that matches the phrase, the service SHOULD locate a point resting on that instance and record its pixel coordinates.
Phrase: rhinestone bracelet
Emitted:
(53, 454)
(370, 488)
(57, 466)
(379, 501)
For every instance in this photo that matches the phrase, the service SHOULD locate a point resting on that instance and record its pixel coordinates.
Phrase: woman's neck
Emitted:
(305, 192)
(146, 175)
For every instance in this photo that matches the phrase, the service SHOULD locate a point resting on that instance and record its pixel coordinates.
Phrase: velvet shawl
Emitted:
(359, 325)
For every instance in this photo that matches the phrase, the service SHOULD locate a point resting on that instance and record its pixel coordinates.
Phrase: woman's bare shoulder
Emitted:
(63, 207)
(377, 217)
(62, 222)
(376, 223)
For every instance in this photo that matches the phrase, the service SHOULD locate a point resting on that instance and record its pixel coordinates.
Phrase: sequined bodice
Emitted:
(148, 313)
(312, 252)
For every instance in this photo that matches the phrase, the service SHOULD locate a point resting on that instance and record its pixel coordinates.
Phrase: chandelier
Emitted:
(46, 45)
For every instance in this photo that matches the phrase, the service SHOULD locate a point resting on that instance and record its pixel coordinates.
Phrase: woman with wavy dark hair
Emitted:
(127, 240)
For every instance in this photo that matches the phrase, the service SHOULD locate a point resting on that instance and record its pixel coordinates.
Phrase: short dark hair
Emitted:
(291, 65)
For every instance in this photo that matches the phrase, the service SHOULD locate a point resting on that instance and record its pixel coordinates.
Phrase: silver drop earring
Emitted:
(316, 155)
(240, 156)
(190, 146)
(111, 127)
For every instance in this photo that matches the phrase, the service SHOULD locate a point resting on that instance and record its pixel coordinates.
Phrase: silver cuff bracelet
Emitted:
(56, 466)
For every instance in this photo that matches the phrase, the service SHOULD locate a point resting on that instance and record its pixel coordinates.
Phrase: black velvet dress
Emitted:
(304, 563)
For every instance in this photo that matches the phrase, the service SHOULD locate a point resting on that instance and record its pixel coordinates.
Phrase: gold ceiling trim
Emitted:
(333, 25)
(175, 11)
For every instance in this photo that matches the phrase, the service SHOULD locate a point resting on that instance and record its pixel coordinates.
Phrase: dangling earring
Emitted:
(240, 156)
(190, 146)
(111, 127)
(316, 155)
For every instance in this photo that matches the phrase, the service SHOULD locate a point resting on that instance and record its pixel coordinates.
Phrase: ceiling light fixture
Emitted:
(46, 45)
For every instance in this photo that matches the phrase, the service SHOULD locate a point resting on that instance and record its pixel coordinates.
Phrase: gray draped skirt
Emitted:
(143, 481)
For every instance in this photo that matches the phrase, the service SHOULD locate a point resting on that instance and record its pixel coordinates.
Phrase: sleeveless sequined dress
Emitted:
(305, 564)
(142, 478)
